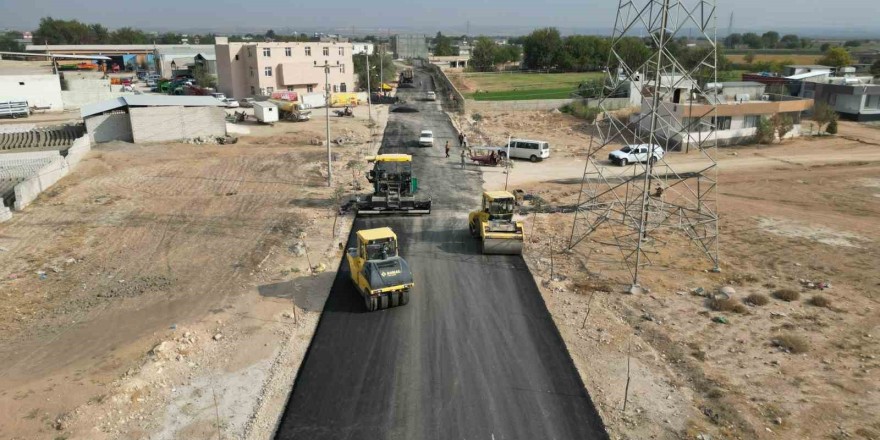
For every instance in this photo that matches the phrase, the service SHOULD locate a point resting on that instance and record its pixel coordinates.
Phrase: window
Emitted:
(872, 102)
(341, 50)
(236, 58)
(308, 51)
(342, 68)
(721, 122)
(310, 88)
(751, 121)
(269, 90)
(267, 71)
(253, 91)
(326, 51)
(267, 52)
(289, 88)
(262, 91)
(287, 52)
(342, 87)
(335, 88)
(252, 72)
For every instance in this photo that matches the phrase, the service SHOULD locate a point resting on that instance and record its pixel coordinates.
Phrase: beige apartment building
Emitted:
(251, 69)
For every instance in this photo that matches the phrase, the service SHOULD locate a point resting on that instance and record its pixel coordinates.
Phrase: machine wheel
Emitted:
(371, 303)
(395, 299)
(404, 298)
(383, 302)
(533, 158)
(623, 162)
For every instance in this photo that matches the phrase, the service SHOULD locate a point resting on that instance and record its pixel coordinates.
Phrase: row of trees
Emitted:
(52, 31)
(768, 40)
(486, 55)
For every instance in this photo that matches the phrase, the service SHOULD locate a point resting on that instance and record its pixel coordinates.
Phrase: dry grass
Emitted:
(757, 299)
(792, 343)
(787, 295)
(726, 305)
(820, 301)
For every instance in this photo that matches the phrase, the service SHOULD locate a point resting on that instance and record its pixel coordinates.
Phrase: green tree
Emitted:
(202, 77)
(98, 34)
(443, 46)
(823, 114)
(782, 125)
(790, 41)
(749, 58)
(633, 51)
(852, 43)
(836, 57)
(584, 53)
(507, 53)
(379, 63)
(483, 55)
(875, 68)
(270, 34)
(8, 43)
(765, 132)
(127, 35)
(733, 40)
(753, 40)
(770, 39)
(170, 38)
(824, 47)
(541, 49)
(51, 31)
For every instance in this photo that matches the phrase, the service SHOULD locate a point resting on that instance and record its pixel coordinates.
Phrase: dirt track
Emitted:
(173, 243)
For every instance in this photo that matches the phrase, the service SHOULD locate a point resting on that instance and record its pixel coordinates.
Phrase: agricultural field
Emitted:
(778, 58)
(519, 86)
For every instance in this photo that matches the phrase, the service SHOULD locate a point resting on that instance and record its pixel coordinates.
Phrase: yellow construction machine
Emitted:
(381, 276)
(494, 224)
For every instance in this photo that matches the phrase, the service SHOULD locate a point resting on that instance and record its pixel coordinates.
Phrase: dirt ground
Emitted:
(793, 215)
(162, 291)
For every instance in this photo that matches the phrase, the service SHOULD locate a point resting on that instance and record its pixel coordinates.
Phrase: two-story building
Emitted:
(687, 118)
(258, 68)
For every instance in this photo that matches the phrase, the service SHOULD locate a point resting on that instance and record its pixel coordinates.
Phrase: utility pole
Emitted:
(369, 90)
(326, 68)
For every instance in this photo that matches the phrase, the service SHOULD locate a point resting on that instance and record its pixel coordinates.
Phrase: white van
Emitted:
(528, 149)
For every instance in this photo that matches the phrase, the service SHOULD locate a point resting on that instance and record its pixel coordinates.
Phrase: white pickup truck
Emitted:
(636, 153)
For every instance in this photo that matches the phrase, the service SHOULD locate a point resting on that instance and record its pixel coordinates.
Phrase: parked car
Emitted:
(426, 138)
(528, 149)
(636, 153)
(230, 103)
(431, 96)
(247, 102)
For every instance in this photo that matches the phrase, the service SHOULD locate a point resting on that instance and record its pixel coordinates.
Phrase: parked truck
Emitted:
(312, 100)
(406, 77)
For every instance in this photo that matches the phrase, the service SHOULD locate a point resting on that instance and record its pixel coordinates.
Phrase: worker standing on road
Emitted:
(463, 157)
(460, 139)
(447, 148)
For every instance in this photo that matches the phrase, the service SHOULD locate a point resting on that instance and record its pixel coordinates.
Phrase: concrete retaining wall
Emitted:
(541, 104)
(444, 86)
(109, 127)
(53, 168)
(46, 176)
(161, 124)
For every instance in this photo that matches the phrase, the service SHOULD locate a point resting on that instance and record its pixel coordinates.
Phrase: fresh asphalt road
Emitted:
(475, 353)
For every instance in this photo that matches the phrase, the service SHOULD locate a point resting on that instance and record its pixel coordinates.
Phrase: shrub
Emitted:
(788, 295)
(726, 305)
(766, 132)
(832, 127)
(477, 117)
(792, 344)
(757, 299)
(820, 301)
(581, 110)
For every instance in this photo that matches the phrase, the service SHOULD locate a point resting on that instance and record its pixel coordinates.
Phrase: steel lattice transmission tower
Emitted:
(677, 88)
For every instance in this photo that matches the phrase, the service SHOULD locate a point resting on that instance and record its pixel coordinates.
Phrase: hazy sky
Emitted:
(485, 16)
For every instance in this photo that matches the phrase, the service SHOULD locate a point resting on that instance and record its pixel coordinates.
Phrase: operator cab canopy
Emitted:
(370, 235)
(495, 195)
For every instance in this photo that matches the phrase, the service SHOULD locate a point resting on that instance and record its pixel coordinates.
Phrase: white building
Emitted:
(685, 119)
(360, 48)
(33, 82)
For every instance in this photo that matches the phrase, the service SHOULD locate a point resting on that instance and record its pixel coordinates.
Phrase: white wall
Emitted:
(849, 103)
(109, 127)
(39, 90)
(55, 167)
(162, 124)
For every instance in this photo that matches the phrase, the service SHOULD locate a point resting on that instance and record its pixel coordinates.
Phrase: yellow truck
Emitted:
(379, 274)
(493, 224)
(344, 99)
